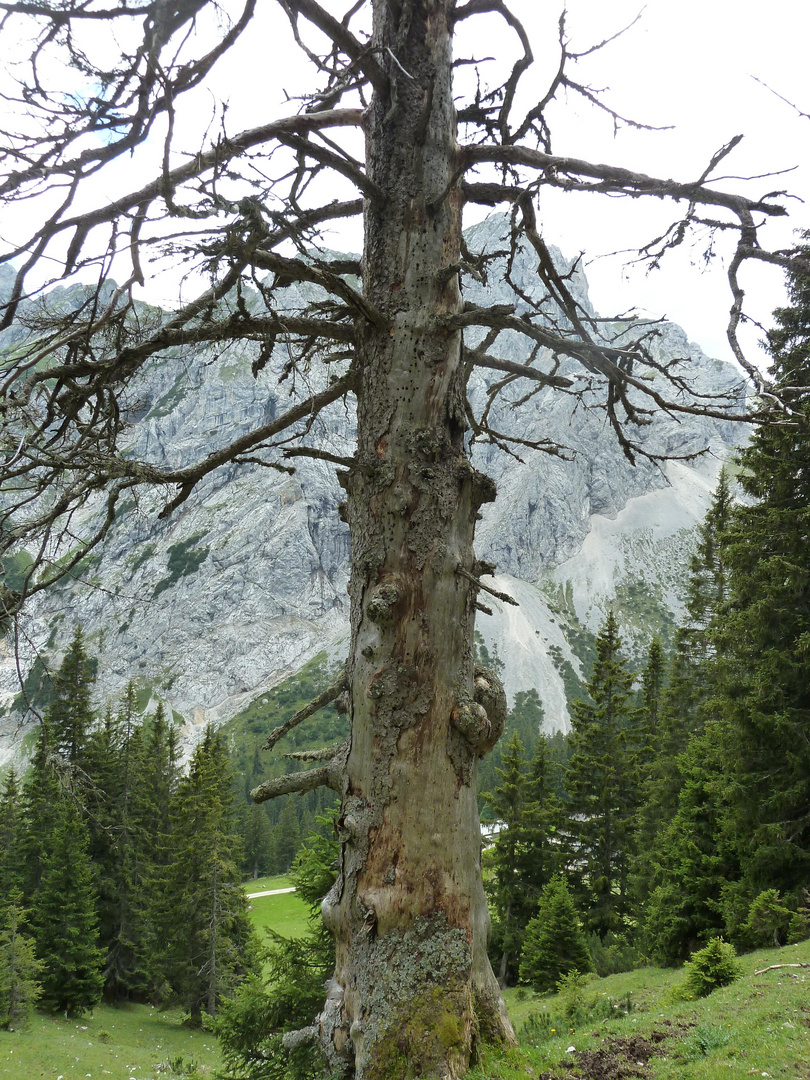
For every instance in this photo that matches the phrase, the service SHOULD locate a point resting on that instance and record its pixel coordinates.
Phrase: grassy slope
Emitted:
(116, 1042)
(285, 914)
(758, 1026)
(261, 884)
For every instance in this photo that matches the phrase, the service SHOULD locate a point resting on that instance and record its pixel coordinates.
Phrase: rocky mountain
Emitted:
(246, 581)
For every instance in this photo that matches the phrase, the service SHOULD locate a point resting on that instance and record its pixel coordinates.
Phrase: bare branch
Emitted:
(297, 782)
(480, 585)
(189, 477)
(329, 695)
(776, 967)
(562, 171)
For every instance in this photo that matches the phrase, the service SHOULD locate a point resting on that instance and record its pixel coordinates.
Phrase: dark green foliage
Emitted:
(574, 687)
(113, 752)
(739, 833)
(525, 720)
(37, 688)
(650, 701)
(694, 857)
(523, 857)
(15, 570)
(711, 968)
(601, 788)
(615, 952)
(682, 708)
(185, 558)
(70, 714)
(63, 915)
(555, 941)
(286, 837)
(152, 852)
(679, 874)
(19, 968)
(247, 732)
(762, 641)
(11, 833)
(210, 942)
(256, 832)
(42, 794)
(769, 921)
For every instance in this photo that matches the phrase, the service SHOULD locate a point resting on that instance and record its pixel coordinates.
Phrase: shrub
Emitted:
(537, 1029)
(703, 1040)
(571, 988)
(710, 968)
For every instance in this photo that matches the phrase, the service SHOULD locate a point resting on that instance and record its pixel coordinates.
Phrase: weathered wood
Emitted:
(413, 991)
(775, 967)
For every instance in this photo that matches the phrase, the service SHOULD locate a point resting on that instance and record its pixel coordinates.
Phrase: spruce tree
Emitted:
(521, 860)
(43, 791)
(764, 659)
(600, 787)
(11, 833)
(288, 993)
(286, 838)
(111, 755)
(256, 835)
(153, 830)
(70, 715)
(63, 915)
(508, 859)
(211, 940)
(554, 942)
(19, 968)
(693, 860)
(685, 702)
(650, 700)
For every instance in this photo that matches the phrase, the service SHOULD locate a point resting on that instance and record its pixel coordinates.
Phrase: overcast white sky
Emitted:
(688, 63)
(692, 64)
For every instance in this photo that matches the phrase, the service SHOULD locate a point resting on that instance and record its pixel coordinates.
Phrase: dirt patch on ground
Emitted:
(617, 1059)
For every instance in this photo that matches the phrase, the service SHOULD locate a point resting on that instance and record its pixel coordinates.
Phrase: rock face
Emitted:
(246, 581)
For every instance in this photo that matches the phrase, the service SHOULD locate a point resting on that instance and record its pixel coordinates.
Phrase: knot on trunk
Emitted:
(482, 720)
(470, 721)
(384, 598)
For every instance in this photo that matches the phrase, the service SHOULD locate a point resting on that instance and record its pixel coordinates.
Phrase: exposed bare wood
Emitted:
(296, 783)
(480, 585)
(326, 698)
(776, 967)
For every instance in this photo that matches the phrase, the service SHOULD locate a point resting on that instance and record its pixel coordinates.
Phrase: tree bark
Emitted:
(413, 992)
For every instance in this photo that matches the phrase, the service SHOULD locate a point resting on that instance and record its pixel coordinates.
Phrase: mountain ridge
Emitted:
(246, 581)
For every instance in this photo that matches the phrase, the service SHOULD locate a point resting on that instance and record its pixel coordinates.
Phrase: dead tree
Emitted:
(413, 992)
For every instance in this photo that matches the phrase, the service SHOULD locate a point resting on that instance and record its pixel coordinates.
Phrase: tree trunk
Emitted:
(413, 991)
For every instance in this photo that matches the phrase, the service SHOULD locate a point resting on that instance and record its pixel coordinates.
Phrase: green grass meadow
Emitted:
(262, 884)
(286, 913)
(118, 1042)
(635, 1025)
(138, 1041)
